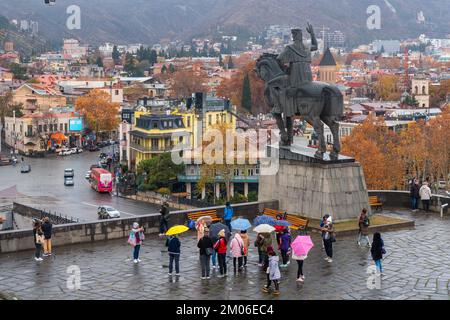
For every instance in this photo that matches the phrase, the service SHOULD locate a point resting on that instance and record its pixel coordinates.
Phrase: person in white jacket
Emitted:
(425, 196)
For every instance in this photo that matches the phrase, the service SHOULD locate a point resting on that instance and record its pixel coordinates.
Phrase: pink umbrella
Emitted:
(301, 245)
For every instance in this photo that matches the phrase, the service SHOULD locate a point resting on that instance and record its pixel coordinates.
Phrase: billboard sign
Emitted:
(76, 124)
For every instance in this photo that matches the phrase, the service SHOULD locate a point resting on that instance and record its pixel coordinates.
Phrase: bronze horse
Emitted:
(316, 102)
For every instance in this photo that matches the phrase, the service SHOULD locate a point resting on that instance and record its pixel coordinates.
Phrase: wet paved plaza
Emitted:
(417, 266)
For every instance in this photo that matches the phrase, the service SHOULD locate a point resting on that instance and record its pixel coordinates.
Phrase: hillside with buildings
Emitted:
(151, 21)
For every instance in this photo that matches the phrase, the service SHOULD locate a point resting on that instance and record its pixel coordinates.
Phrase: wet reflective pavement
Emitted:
(44, 188)
(416, 266)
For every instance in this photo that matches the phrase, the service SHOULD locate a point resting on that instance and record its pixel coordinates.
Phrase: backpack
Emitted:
(191, 224)
(366, 222)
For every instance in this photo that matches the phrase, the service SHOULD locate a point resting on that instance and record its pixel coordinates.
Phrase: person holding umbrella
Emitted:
(205, 245)
(246, 240)
(300, 248)
(284, 245)
(221, 248)
(214, 230)
(173, 244)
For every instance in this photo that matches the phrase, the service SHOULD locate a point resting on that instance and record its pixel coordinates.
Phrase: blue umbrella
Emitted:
(264, 220)
(282, 223)
(240, 224)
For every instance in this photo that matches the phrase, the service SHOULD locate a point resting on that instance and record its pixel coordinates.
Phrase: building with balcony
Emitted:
(37, 98)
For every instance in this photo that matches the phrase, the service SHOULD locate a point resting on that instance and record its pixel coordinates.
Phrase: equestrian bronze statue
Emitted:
(290, 92)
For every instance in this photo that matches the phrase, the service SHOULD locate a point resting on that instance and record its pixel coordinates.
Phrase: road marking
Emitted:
(94, 205)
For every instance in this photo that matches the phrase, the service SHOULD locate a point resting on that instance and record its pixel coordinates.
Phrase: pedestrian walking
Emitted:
(173, 244)
(284, 246)
(164, 219)
(273, 273)
(135, 239)
(322, 224)
(47, 230)
(221, 248)
(258, 244)
(300, 259)
(425, 196)
(377, 251)
(246, 240)
(228, 215)
(414, 194)
(205, 245)
(38, 236)
(328, 238)
(237, 251)
(363, 224)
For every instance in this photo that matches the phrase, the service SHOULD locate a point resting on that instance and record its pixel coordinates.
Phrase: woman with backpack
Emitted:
(221, 248)
(135, 240)
(237, 251)
(377, 251)
(205, 244)
(364, 224)
(38, 236)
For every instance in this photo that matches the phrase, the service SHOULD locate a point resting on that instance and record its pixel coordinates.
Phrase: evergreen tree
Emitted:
(230, 63)
(153, 57)
(246, 101)
(220, 60)
(205, 50)
(116, 55)
(163, 69)
(171, 68)
(99, 62)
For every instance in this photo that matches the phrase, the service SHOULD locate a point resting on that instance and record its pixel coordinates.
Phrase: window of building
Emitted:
(116, 92)
(423, 90)
(45, 128)
(155, 124)
(65, 127)
(61, 127)
(217, 118)
(210, 119)
(188, 121)
(40, 128)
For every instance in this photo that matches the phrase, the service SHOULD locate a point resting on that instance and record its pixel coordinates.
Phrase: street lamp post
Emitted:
(14, 133)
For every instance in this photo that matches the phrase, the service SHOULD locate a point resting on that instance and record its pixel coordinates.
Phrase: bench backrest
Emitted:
(297, 221)
(198, 214)
(373, 199)
(272, 212)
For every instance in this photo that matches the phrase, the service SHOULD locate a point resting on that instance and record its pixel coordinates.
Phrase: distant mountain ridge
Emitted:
(149, 21)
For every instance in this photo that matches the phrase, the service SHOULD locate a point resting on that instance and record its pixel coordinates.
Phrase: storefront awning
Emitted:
(59, 136)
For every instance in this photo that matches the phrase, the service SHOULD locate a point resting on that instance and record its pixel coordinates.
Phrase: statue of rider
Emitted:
(297, 57)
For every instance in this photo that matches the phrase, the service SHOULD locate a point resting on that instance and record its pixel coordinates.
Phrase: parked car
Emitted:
(25, 168)
(69, 173)
(88, 175)
(65, 152)
(107, 212)
(76, 150)
(68, 181)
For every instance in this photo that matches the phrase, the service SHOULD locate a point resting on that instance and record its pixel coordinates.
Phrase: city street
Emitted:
(44, 188)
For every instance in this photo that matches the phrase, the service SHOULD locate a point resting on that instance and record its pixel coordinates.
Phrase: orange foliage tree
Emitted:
(185, 82)
(390, 159)
(387, 87)
(98, 111)
(232, 88)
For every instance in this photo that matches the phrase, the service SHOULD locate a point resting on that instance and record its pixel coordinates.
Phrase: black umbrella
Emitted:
(215, 228)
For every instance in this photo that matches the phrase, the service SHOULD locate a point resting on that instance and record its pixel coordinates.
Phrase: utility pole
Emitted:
(15, 136)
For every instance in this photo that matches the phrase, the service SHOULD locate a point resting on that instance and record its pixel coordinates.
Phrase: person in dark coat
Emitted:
(173, 245)
(414, 193)
(377, 251)
(47, 230)
(164, 219)
(206, 246)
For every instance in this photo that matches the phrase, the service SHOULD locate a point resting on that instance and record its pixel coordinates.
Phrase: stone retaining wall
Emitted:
(396, 199)
(64, 234)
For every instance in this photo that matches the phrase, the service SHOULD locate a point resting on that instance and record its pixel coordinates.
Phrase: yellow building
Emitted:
(38, 98)
(154, 134)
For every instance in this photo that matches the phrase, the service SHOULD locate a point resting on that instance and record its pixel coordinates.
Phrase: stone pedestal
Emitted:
(312, 187)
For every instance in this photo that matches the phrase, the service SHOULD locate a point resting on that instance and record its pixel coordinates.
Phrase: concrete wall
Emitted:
(11, 241)
(394, 198)
(312, 190)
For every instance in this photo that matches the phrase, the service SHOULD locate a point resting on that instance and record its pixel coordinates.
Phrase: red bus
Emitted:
(101, 180)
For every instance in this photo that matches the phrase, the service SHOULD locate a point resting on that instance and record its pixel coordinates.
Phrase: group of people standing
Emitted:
(42, 234)
(420, 192)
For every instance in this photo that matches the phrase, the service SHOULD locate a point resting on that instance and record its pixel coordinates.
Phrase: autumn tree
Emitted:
(232, 89)
(100, 114)
(439, 147)
(185, 82)
(387, 87)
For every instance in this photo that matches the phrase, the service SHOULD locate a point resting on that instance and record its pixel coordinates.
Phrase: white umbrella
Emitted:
(264, 228)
